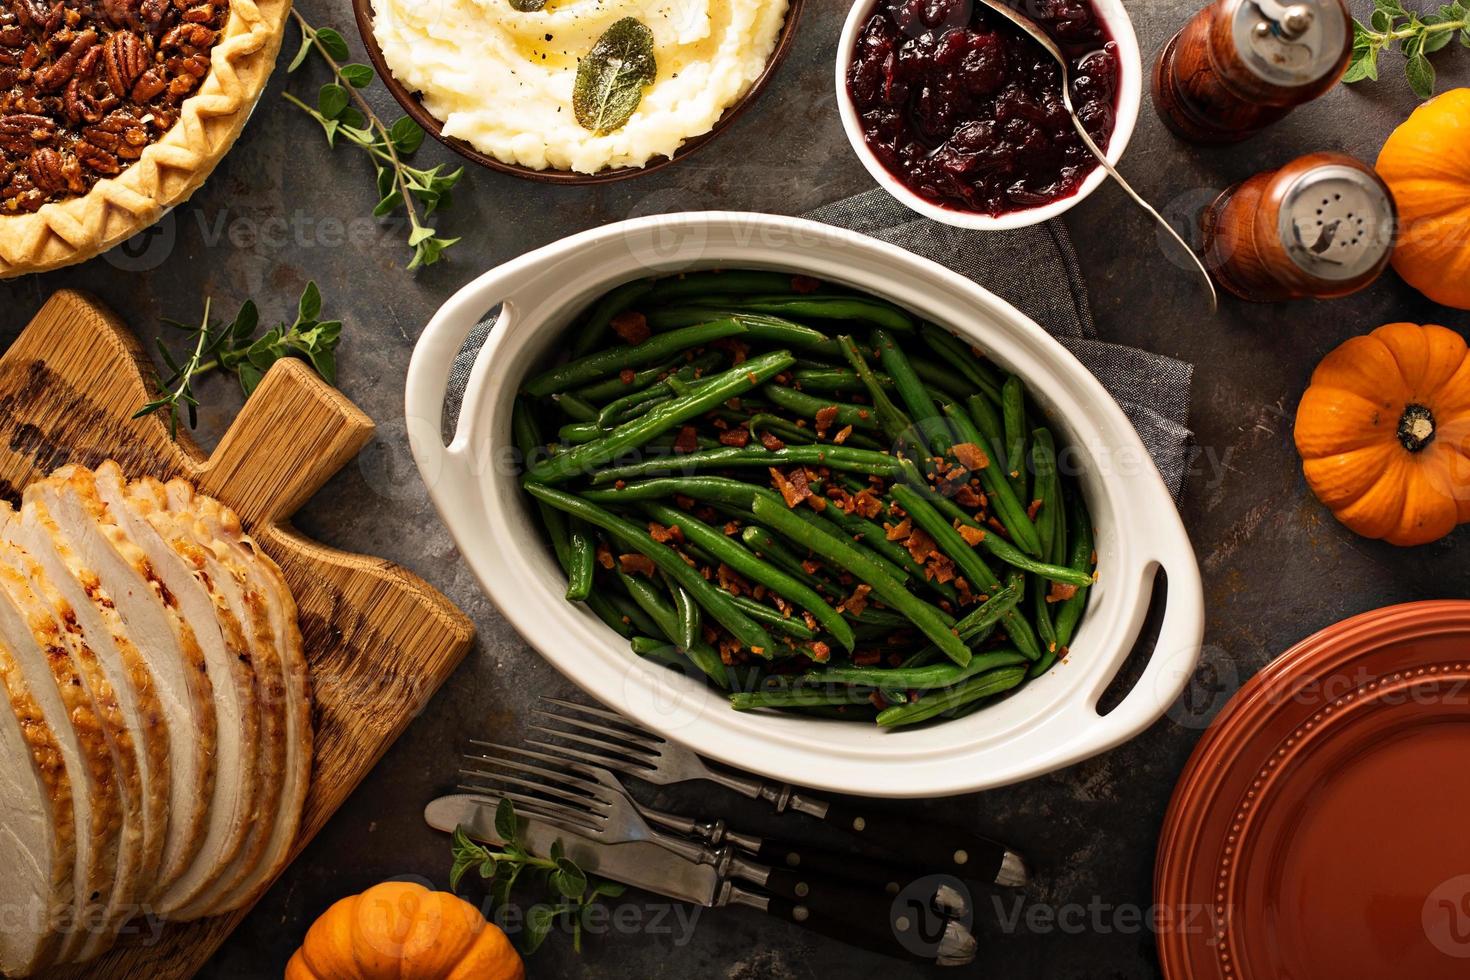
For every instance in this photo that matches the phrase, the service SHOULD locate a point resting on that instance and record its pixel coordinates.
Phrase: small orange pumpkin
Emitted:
(402, 931)
(1384, 433)
(1426, 163)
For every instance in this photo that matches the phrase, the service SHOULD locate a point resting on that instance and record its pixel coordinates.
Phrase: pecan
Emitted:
(200, 14)
(126, 59)
(98, 160)
(47, 170)
(122, 13)
(22, 132)
(182, 85)
(148, 87)
(64, 68)
(187, 37)
(12, 37)
(155, 16)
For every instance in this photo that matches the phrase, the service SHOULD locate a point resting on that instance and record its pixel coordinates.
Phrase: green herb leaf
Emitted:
(407, 135)
(1435, 42)
(331, 100)
(333, 44)
(568, 878)
(300, 59)
(358, 76)
(1421, 76)
(506, 824)
(527, 6)
(1363, 66)
(538, 926)
(611, 78)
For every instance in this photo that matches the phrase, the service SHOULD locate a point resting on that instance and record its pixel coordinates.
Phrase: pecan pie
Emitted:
(112, 110)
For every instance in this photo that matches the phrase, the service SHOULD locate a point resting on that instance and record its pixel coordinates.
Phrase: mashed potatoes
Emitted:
(501, 80)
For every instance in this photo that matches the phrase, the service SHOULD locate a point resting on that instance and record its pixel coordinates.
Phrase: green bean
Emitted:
(875, 312)
(760, 328)
(767, 546)
(984, 686)
(709, 489)
(1048, 659)
(780, 428)
(916, 480)
(617, 301)
(664, 619)
(576, 408)
(1013, 556)
(913, 394)
(1008, 508)
(613, 359)
(938, 378)
(977, 625)
(985, 416)
(735, 282)
(1044, 465)
(1013, 414)
(632, 616)
(857, 416)
(615, 386)
(873, 536)
(783, 623)
(689, 616)
(659, 651)
(836, 381)
(976, 572)
(751, 567)
(836, 457)
(579, 433)
(915, 678)
(606, 611)
(896, 425)
(953, 351)
(932, 622)
(713, 600)
(661, 418)
(1081, 559)
(582, 556)
(618, 410)
(795, 698)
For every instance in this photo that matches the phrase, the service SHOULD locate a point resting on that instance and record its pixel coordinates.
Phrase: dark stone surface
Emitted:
(1276, 566)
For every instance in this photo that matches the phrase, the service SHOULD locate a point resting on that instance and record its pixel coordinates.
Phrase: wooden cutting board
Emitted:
(380, 640)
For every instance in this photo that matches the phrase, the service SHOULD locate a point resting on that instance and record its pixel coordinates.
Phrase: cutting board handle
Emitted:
(293, 434)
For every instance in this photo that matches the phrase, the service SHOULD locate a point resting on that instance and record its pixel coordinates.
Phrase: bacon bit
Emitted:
(663, 535)
(705, 573)
(825, 417)
(867, 504)
(899, 531)
(842, 435)
(794, 489)
(805, 284)
(759, 591)
(632, 326)
(604, 556)
(731, 581)
(635, 564)
(619, 484)
(816, 503)
(820, 652)
(683, 502)
(627, 376)
(721, 424)
(963, 589)
(965, 496)
(753, 379)
(997, 525)
(866, 658)
(738, 438)
(858, 601)
(800, 423)
(941, 465)
(784, 378)
(811, 566)
(731, 528)
(971, 456)
(809, 619)
(863, 413)
(737, 351)
(972, 535)
(920, 545)
(941, 567)
(771, 442)
(733, 404)
(729, 646)
(1032, 508)
(878, 700)
(687, 440)
(1061, 592)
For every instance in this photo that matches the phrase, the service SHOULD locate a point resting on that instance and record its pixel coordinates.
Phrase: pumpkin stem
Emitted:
(1416, 428)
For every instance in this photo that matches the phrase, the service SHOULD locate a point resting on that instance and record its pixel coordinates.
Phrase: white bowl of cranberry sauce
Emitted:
(959, 115)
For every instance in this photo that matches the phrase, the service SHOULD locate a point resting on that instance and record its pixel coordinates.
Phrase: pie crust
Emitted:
(73, 230)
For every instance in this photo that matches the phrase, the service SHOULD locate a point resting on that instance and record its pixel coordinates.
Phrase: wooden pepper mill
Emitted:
(1241, 65)
(1322, 226)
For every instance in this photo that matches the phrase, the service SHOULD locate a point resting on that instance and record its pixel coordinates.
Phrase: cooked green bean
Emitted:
(663, 614)
(1007, 506)
(857, 416)
(984, 686)
(633, 617)
(914, 395)
(836, 380)
(713, 600)
(577, 409)
(932, 622)
(659, 651)
(582, 556)
(605, 610)
(985, 416)
(579, 433)
(689, 616)
(767, 546)
(896, 425)
(619, 300)
(790, 625)
(1081, 560)
(914, 678)
(971, 566)
(659, 347)
(836, 457)
(736, 282)
(1044, 466)
(1013, 416)
(780, 428)
(871, 535)
(759, 327)
(660, 419)
(875, 312)
(957, 353)
(795, 698)
(615, 386)
(751, 567)
(1013, 556)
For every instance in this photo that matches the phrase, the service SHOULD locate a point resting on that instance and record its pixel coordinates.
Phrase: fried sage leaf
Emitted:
(611, 79)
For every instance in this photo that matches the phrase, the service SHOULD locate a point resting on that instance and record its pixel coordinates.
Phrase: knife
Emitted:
(906, 928)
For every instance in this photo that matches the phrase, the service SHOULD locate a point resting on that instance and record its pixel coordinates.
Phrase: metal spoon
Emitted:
(1032, 28)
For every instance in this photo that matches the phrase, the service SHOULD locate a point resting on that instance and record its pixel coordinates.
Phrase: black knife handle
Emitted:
(909, 936)
(826, 896)
(927, 847)
(851, 867)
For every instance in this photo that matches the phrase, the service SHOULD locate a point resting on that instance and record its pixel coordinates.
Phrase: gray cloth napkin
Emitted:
(1153, 390)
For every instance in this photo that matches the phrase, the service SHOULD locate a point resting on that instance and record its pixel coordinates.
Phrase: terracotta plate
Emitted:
(1321, 830)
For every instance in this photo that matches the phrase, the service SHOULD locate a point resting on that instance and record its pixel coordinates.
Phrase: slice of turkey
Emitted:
(228, 657)
(153, 619)
(38, 842)
(217, 523)
(37, 643)
(174, 511)
(116, 728)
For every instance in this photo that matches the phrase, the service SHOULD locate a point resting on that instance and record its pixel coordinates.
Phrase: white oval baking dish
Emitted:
(1050, 723)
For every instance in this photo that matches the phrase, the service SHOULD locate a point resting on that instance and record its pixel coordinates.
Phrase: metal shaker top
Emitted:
(1288, 43)
(1337, 222)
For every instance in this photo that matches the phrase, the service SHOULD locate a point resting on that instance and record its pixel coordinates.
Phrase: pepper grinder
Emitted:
(1322, 226)
(1240, 65)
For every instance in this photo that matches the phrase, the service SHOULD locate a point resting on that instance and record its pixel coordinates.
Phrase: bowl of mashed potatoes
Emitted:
(575, 91)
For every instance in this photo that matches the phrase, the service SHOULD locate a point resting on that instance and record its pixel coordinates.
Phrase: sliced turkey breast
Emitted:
(174, 512)
(40, 649)
(122, 903)
(229, 660)
(222, 525)
(152, 617)
(38, 841)
(133, 684)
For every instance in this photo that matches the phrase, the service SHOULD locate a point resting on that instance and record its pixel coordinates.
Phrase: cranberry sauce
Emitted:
(966, 110)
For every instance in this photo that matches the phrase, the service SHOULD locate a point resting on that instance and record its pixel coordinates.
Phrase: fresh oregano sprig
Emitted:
(401, 187)
(1417, 34)
(234, 349)
(574, 891)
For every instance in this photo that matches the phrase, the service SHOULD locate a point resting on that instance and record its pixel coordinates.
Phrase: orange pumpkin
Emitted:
(1384, 433)
(402, 931)
(1426, 163)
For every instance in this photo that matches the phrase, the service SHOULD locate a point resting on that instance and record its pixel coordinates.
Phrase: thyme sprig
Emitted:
(1417, 34)
(575, 892)
(342, 111)
(234, 349)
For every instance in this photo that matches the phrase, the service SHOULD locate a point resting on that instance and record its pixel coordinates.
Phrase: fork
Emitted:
(597, 809)
(848, 867)
(623, 746)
